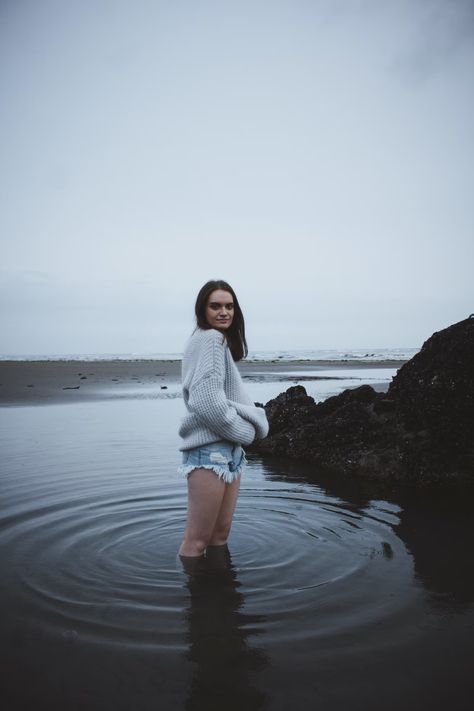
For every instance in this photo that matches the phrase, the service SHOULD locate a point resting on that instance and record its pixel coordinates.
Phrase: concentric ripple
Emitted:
(99, 570)
(304, 558)
(91, 525)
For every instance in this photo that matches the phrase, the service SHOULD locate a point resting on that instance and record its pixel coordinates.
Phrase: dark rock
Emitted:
(420, 432)
(164, 387)
(385, 404)
(434, 391)
(72, 387)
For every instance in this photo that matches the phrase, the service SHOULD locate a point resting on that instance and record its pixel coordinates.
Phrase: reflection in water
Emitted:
(416, 651)
(218, 634)
(362, 596)
(436, 527)
(438, 530)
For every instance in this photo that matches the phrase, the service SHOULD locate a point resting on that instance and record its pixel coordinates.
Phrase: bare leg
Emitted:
(221, 530)
(205, 495)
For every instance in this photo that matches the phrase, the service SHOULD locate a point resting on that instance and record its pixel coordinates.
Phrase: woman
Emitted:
(221, 417)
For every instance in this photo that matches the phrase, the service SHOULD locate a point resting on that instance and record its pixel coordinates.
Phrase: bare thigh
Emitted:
(211, 505)
(205, 495)
(223, 523)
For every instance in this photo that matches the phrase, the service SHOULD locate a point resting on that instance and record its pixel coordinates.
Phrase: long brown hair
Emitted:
(235, 334)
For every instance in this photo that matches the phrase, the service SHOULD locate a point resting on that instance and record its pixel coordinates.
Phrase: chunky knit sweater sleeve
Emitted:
(213, 392)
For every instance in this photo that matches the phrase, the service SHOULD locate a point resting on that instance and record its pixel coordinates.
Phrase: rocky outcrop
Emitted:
(421, 431)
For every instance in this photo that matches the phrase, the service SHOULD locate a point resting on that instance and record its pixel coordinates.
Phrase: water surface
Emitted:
(329, 595)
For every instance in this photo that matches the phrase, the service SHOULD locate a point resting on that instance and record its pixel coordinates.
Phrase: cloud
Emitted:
(435, 32)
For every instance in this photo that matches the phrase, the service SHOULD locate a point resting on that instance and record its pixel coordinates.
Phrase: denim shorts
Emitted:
(226, 459)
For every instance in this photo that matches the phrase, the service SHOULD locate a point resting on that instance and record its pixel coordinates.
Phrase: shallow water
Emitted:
(264, 385)
(329, 595)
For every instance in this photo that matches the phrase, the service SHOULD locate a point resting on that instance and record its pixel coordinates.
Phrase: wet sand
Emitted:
(45, 382)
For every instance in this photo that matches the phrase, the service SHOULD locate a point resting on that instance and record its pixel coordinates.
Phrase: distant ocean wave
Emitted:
(94, 356)
(359, 354)
(337, 355)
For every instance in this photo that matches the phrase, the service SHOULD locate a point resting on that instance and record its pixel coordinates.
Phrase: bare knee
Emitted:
(220, 533)
(193, 546)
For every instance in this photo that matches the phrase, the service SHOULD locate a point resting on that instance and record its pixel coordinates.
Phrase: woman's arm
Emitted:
(255, 415)
(206, 395)
(208, 401)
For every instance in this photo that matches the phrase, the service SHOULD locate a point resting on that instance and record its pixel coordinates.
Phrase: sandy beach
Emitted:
(49, 381)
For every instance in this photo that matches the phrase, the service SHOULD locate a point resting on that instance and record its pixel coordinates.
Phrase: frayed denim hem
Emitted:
(221, 472)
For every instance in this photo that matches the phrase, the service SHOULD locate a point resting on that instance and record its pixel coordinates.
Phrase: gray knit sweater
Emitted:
(214, 394)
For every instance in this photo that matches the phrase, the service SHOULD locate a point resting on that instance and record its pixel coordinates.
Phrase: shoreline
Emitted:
(54, 381)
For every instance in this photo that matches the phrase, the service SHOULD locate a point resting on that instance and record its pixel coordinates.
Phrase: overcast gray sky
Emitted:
(317, 155)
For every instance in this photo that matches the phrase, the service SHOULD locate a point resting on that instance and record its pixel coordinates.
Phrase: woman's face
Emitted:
(219, 309)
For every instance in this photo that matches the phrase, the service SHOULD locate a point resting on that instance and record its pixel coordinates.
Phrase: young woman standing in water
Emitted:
(221, 417)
